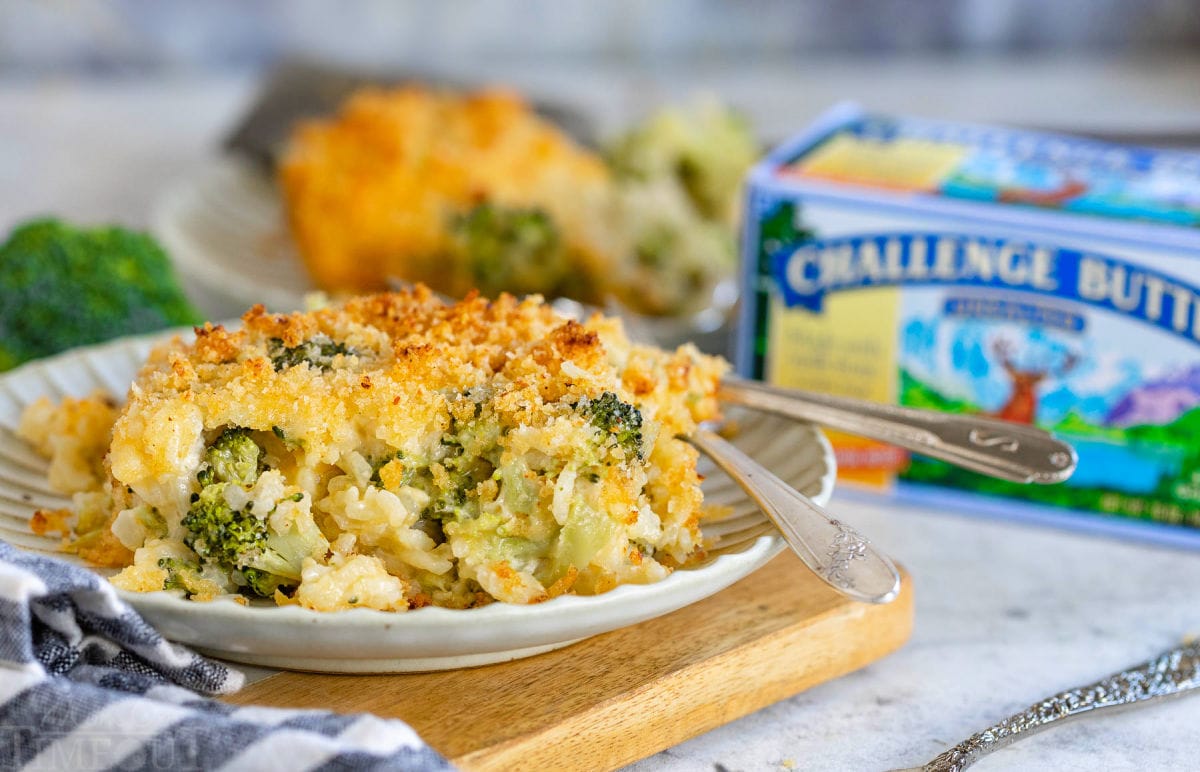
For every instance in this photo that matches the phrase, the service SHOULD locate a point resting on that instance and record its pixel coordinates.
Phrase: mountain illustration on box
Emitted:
(1142, 459)
(1158, 402)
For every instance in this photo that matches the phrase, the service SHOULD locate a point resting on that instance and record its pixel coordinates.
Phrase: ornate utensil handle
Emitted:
(1170, 674)
(998, 448)
(833, 550)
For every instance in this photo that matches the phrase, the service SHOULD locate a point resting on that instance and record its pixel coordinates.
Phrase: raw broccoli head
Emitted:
(512, 250)
(616, 419)
(62, 286)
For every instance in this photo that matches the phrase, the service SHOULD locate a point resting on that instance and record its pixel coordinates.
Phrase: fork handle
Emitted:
(1170, 674)
(841, 556)
(1001, 449)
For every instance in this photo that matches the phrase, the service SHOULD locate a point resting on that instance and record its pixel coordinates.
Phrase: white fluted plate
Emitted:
(365, 640)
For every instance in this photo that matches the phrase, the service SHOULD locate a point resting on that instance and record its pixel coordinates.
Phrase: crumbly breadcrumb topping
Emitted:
(392, 452)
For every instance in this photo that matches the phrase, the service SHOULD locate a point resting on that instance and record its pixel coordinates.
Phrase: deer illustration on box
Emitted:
(1022, 403)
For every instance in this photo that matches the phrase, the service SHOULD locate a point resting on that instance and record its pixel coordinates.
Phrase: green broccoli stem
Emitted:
(181, 575)
(264, 584)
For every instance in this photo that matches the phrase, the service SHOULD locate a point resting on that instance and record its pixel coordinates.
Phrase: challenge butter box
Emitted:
(971, 269)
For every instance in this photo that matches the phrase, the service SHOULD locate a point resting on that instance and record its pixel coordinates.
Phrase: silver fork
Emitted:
(1001, 449)
(1171, 674)
(834, 551)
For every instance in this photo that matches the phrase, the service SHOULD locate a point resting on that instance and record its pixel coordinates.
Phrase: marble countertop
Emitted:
(1005, 613)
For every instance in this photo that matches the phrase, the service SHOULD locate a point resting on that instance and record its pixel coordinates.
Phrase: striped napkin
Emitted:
(86, 683)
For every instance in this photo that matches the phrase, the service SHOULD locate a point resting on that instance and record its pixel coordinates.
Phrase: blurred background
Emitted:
(160, 83)
(146, 36)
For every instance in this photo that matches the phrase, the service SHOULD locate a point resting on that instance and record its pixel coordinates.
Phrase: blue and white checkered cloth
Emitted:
(86, 683)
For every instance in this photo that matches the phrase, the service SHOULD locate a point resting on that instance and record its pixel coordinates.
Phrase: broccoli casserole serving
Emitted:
(390, 452)
(463, 190)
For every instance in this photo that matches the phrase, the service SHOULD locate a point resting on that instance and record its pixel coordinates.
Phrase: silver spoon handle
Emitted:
(1170, 674)
(835, 552)
(998, 448)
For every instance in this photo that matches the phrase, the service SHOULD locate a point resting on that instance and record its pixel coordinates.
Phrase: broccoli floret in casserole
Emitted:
(234, 457)
(62, 286)
(264, 584)
(318, 351)
(238, 540)
(511, 249)
(620, 420)
(218, 532)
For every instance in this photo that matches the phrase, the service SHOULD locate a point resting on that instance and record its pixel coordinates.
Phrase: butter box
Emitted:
(1033, 277)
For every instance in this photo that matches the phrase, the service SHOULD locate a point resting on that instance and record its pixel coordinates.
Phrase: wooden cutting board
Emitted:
(625, 695)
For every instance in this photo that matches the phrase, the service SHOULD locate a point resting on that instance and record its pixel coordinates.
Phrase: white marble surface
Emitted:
(1005, 613)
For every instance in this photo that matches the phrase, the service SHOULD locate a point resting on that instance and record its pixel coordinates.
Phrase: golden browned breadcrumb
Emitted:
(406, 452)
(44, 522)
(75, 434)
(371, 194)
